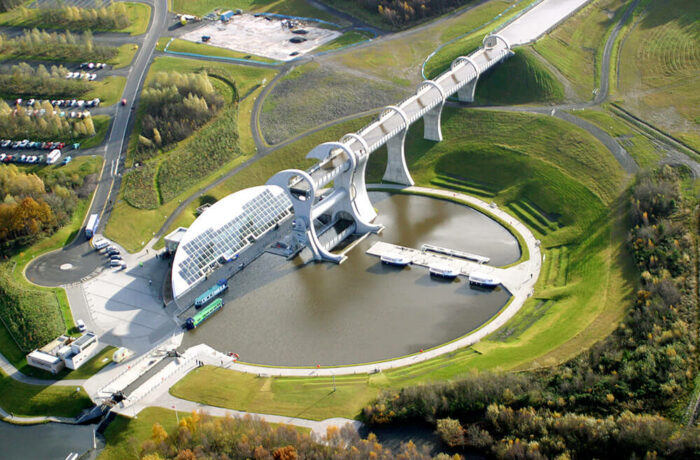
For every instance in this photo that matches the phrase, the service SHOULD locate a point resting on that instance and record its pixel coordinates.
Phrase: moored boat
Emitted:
(483, 280)
(396, 260)
(443, 271)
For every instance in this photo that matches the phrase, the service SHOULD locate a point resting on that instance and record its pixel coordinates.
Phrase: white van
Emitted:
(100, 243)
(81, 325)
(120, 355)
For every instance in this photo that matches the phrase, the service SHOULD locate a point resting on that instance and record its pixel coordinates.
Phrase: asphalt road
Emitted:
(46, 270)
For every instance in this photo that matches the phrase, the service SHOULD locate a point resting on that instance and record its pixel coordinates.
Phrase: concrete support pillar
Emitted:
(432, 130)
(466, 92)
(396, 168)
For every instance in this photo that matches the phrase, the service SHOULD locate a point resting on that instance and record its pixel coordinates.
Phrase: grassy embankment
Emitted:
(575, 48)
(660, 67)
(557, 179)
(396, 60)
(185, 46)
(109, 90)
(44, 300)
(132, 227)
(348, 38)
(139, 14)
(35, 400)
(311, 95)
(288, 7)
(519, 80)
(643, 149)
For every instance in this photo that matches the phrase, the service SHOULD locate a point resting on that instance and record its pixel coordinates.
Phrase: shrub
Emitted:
(25, 81)
(32, 317)
(139, 187)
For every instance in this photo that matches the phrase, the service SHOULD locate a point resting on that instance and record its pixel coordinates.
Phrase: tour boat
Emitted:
(484, 280)
(396, 260)
(444, 271)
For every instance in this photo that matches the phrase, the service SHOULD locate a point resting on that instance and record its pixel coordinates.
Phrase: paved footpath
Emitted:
(12, 371)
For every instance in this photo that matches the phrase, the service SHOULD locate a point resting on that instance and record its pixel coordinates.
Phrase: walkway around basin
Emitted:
(519, 279)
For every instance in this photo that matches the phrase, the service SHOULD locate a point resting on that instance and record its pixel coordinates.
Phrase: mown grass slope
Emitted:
(520, 79)
(575, 47)
(660, 67)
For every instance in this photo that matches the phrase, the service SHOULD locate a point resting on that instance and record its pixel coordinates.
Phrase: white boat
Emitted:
(482, 279)
(443, 271)
(397, 260)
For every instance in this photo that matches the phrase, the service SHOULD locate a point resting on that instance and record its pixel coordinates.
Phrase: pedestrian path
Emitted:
(12, 371)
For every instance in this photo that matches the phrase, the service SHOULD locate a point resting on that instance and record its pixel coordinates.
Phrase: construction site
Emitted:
(279, 39)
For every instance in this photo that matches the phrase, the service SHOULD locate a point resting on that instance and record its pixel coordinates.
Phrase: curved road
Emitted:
(81, 260)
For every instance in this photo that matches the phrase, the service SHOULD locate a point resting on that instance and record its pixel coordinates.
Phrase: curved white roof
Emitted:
(223, 230)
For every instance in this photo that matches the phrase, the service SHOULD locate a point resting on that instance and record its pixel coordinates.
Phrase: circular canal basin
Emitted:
(286, 313)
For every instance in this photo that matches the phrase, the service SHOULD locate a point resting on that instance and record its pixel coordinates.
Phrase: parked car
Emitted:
(92, 76)
(114, 252)
(3, 156)
(5, 143)
(8, 158)
(31, 102)
(80, 324)
(23, 143)
(66, 160)
(115, 263)
(18, 101)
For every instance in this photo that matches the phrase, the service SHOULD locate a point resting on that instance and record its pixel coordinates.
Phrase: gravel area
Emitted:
(263, 36)
(318, 96)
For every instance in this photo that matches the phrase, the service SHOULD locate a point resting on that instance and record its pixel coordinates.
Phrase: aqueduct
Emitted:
(343, 163)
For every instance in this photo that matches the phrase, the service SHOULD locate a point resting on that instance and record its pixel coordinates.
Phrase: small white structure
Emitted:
(45, 361)
(81, 350)
(172, 239)
(64, 352)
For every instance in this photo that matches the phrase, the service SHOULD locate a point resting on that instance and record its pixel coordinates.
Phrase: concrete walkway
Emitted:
(19, 420)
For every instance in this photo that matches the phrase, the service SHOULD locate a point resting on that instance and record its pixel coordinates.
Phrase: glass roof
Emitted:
(224, 230)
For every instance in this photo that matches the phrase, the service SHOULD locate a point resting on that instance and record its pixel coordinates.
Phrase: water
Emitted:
(50, 441)
(289, 314)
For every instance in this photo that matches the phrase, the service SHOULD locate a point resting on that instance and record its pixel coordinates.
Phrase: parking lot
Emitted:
(263, 36)
(124, 305)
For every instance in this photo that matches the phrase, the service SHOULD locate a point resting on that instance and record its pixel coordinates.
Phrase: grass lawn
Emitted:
(186, 46)
(542, 165)
(575, 47)
(31, 400)
(660, 67)
(139, 14)
(109, 90)
(348, 38)
(641, 147)
(93, 365)
(124, 56)
(101, 123)
(305, 398)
